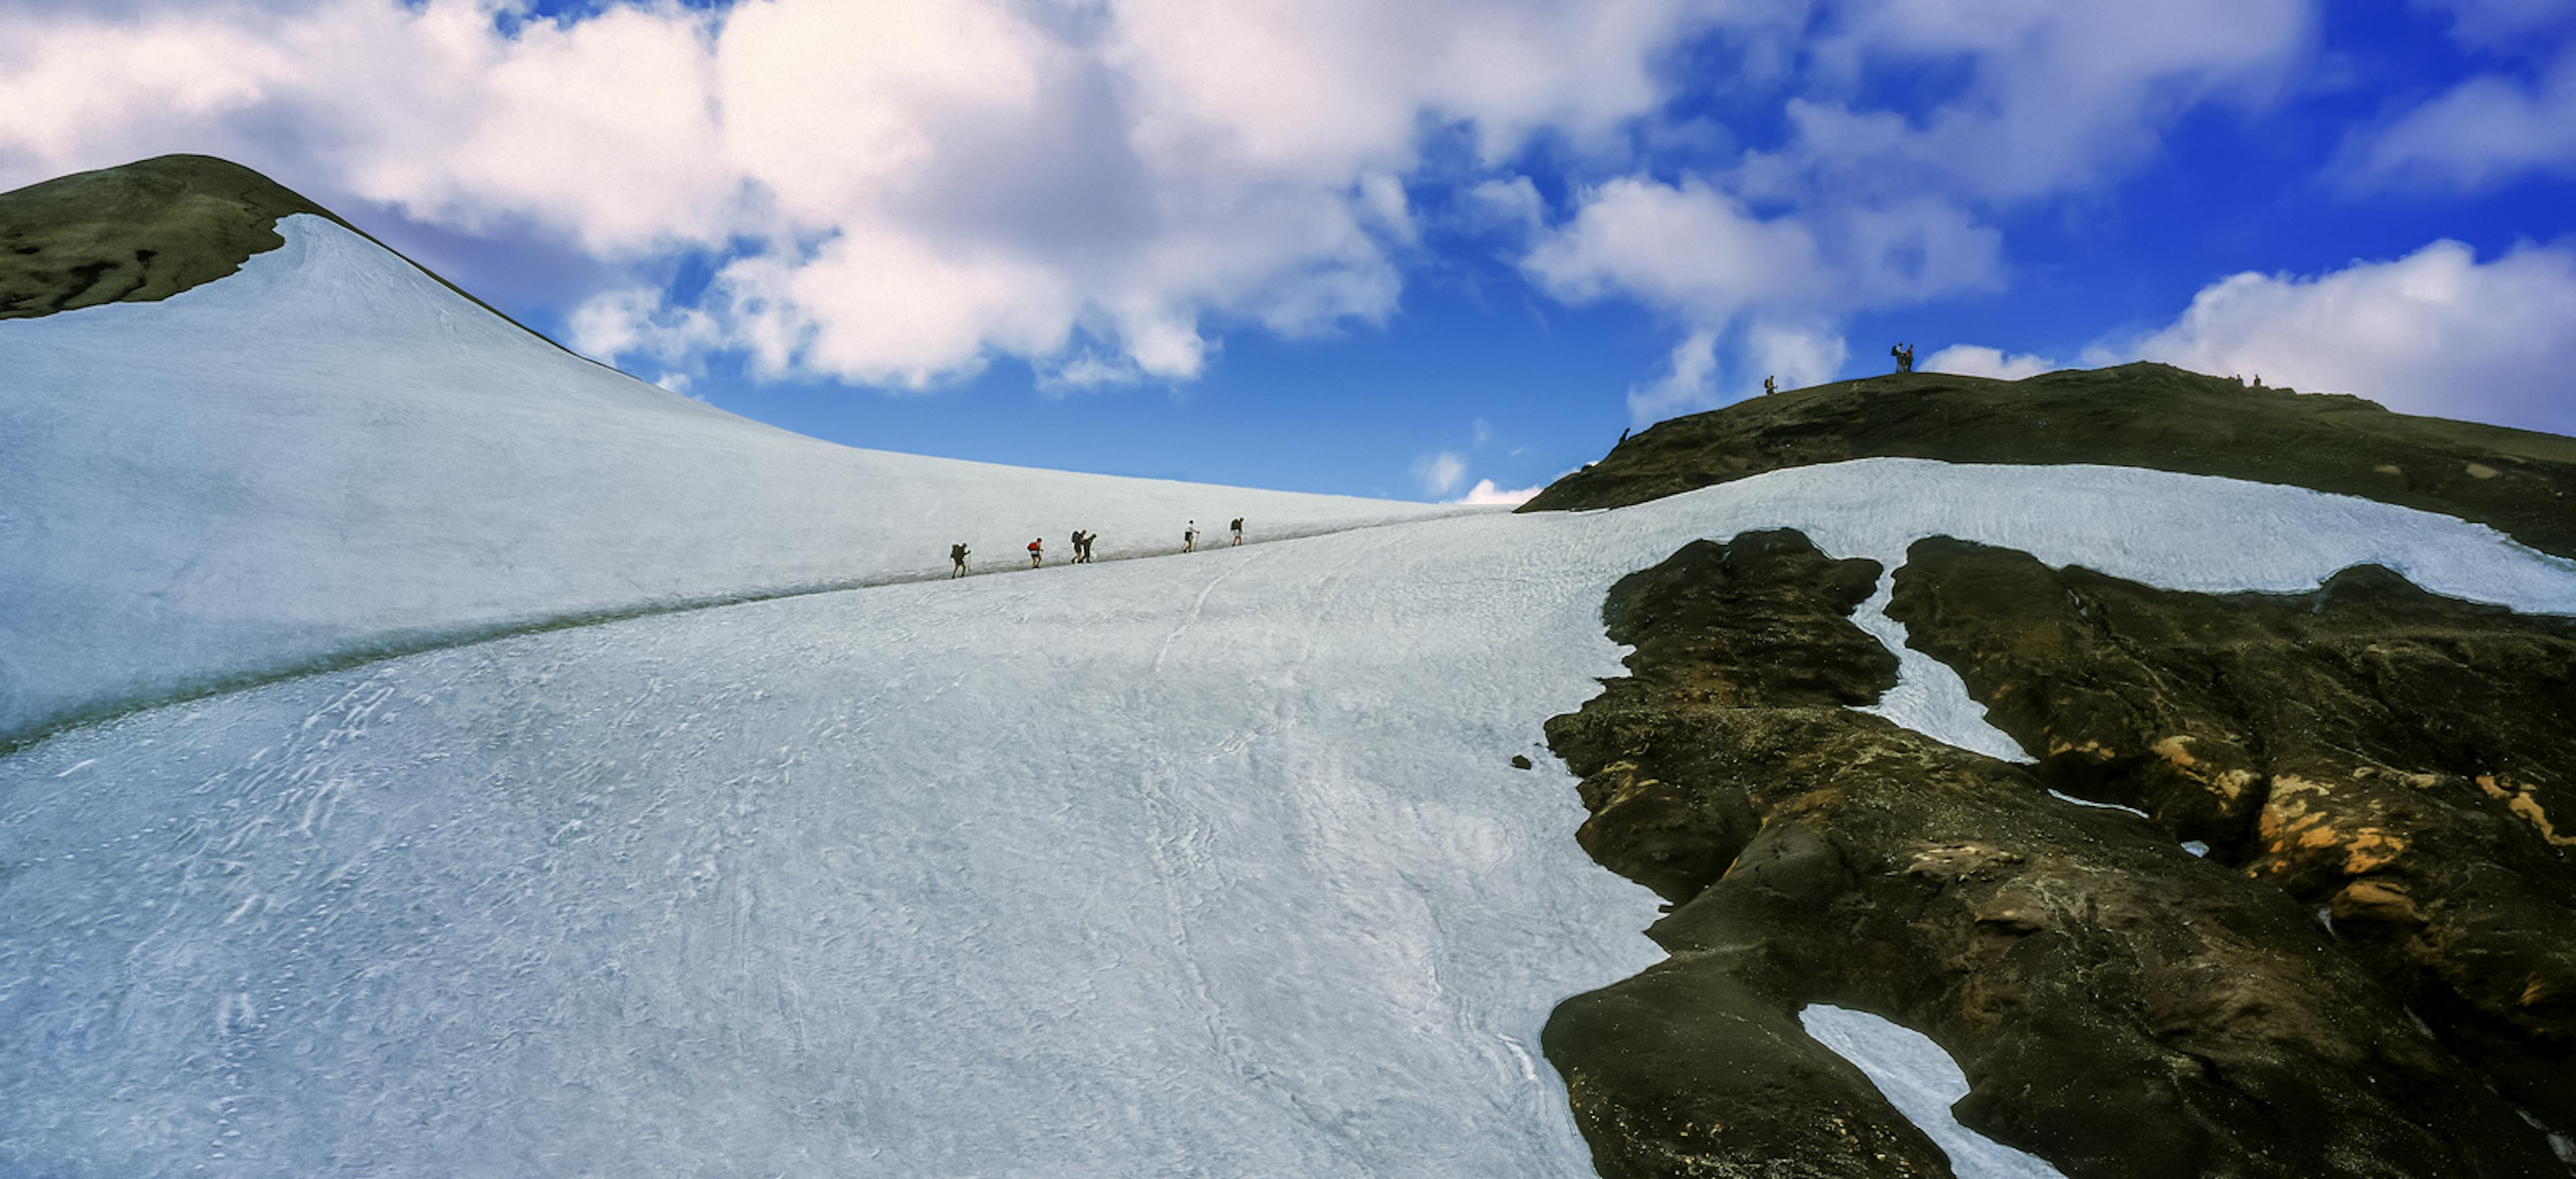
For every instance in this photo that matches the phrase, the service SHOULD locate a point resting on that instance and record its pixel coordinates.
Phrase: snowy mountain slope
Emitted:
(1184, 866)
(331, 453)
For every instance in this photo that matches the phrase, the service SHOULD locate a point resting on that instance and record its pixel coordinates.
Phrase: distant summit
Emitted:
(136, 234)
(142, 232)
(2135, 415)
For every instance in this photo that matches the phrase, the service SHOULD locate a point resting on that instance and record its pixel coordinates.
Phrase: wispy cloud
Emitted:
(1440, 473)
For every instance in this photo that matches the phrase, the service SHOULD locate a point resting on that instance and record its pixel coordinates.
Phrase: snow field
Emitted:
(1203, 866)
(329, 452)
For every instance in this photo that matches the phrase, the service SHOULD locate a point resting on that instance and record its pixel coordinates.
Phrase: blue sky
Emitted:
(1398, 250)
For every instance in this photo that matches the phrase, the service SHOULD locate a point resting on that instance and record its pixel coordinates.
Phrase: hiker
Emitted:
(1036, 554)
(957, 557)
(1190, 537)
(1077, 546)
(2258, 380)
(1904, 354)
(1082, 547)
(1238, 530)
(1769, 386)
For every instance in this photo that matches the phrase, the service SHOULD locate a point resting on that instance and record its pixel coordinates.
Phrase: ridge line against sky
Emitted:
(1439, 249)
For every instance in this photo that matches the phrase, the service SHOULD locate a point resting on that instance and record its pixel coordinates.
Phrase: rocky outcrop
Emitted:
(2401, 762)
(2137, 415)
(2120, 1007)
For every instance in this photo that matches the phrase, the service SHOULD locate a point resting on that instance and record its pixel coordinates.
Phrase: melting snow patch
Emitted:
(1928, 698)
(2559, 1144)
(2062, 796)
(1921, 1081)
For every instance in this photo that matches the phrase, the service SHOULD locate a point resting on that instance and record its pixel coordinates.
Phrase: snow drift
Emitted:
(331, 453)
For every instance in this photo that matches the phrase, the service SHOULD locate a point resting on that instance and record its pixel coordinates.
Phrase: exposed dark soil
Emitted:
(2403, 760)
(143, 232)
(2138, 415)
(2120, 1007)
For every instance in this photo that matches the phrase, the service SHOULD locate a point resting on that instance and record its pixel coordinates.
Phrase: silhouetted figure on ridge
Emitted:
(1904, 354)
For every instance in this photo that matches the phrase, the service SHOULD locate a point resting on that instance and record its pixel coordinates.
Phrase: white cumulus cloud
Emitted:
(1484, 492)
(896, 194)
(1687, 248)
(2435, 332)
(1977, 360)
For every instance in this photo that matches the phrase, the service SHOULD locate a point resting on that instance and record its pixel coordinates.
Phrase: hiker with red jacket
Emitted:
(1035, 554)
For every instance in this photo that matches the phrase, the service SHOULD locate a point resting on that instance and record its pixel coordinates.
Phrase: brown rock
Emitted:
(2120, 1007)
(2384, 753)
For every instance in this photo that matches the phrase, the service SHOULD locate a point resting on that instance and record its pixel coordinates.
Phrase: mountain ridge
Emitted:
(2519, 482)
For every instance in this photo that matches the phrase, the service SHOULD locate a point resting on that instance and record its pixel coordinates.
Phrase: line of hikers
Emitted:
(1082, 542)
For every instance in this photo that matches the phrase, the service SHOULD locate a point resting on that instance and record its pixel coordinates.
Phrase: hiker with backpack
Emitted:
(1238, 529)
(1190, 537)
(957, 557)
(1036, 555)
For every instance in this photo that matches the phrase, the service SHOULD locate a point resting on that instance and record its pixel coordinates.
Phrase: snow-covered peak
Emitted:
(330, 453)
